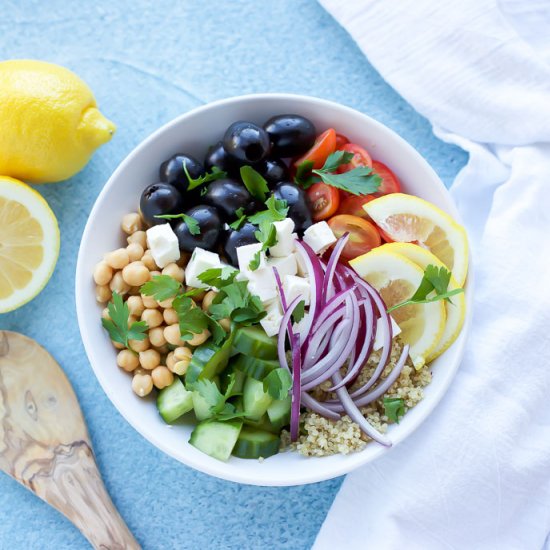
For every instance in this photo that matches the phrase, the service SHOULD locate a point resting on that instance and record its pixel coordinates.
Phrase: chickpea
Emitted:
(156, 336)
(166, 304)
(140, 370)
(117, 259)
(153, 317)
(200, 338)
(140, 345)
(131, 223)
(149, 359)
(118, 284)
(135, 305)
(142, 384)
(117, 345)
(173, 335)
(170, 361)
(127, 360)
(182, 357)
(182, 353)
(225, 324)
(139, 237)
(208, 299)
(149, 302)
(198, 296)
(170, 316)
(149, 262)
(105, 313)
(162, 377)
(135, 274)
(135, 251)
(103, 273)
(174, 271)
(155, 273)
(102, 293)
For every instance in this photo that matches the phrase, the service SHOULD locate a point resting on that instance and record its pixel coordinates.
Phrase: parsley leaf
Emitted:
(215, 174)
(193, 320)
(394, 408)
(117, 326)
(241, 219)
(254, 182)
(267, 235)
(161, 287)
(191, 223)
(278, 383)
(303, 175)
(277, 210)
(236, 302)
(218, 407)
(299, 311)
(218, 276)
(434, 280)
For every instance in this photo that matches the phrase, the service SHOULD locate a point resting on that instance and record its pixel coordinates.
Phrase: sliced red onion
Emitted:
(332, 305)
(280, 288)
(313, 347)
(328, 280)
(296, 376)
(319, 408)
(286, 325)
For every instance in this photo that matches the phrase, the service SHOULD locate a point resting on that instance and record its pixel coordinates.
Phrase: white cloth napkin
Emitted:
(476, 475)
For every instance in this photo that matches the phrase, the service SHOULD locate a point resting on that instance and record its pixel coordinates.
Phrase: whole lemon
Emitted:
(49, 122)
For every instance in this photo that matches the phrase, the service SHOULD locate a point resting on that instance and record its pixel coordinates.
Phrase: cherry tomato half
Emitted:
(390, 183)
(324, 145)
(341, 140)
(360, 158)
(323, 201)
(353, 204)
(363, 234)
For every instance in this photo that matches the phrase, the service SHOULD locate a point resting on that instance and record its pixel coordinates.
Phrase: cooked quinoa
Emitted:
(321, 436)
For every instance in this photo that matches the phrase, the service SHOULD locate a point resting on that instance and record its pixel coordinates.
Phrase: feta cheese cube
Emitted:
(378, 340)
(319, 236)
(271, 323)
(294, 286)
(300, 265)
(262, 286)
(246, 253)
(200, 261)
(285, 266)
(163, 244)
(285, 238)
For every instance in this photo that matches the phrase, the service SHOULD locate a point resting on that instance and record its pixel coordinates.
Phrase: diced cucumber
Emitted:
(255, 400)
(262, 424)
(239, 381)
(253, 443)
(216, 439)
(174, 401)
(254, 367)
(279, 412)
(201, 406)
(255, 342)
(207, 361)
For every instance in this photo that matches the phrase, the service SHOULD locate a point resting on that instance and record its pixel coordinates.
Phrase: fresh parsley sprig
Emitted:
(267, 235)
(278, 383)
(216, 401)
(254, 182)
(118, 327)
(193, 320)
(435, 279)
(240, 221)
(218, 276)
(191, 223)
(359, 181)
(234, 301)
(394, 408)
(161, 287)
(213, 175)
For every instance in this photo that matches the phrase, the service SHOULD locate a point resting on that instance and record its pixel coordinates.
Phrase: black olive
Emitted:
(295, 198)
(209, 225)
(217, 156)
(246, 142)
(159, 199)
(171, 170)
(290, 135)
(234, 238)
(228, 196)
(273, 170)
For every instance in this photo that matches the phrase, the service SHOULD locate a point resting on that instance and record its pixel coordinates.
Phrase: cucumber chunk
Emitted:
(174, 401)
(253, 443)
(200, 406)
(255, 342)
(262, 424)
(255, 400)
(208, 360)
(254, 367)
(279, 412)
(216, 439)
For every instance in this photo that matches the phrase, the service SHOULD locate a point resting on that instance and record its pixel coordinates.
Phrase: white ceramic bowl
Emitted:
(192, 133)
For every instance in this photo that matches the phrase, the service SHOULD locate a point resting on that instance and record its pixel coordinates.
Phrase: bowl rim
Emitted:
(206, 467)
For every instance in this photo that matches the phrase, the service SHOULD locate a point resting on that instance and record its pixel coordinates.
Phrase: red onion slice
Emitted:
(296, 375)
(328, 280)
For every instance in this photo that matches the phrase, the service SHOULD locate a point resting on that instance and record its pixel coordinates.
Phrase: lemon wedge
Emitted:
(406, 218)
(29, 243)
(397, 278)
(455, 311)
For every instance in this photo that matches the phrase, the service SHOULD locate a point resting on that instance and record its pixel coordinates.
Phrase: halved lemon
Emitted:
(29, 243)
(397, 278)
(455, 311)
(406, 218)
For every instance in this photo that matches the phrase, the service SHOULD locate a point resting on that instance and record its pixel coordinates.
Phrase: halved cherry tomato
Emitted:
(323, 201)
(363, 234)
(341, 141)
(390, 183)
(324, 145)
(360, 158)
(353, 204)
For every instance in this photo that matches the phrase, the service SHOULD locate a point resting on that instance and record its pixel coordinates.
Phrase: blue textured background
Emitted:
(148, 62)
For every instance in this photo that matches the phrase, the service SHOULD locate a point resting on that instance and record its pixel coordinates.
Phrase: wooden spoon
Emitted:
(44, 442)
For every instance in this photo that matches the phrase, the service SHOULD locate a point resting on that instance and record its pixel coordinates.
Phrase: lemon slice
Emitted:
(397, 278)
(406, 218)
(29, 243)
(455, 311)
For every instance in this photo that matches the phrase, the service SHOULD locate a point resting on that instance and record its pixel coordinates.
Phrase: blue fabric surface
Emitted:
(148, 62)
